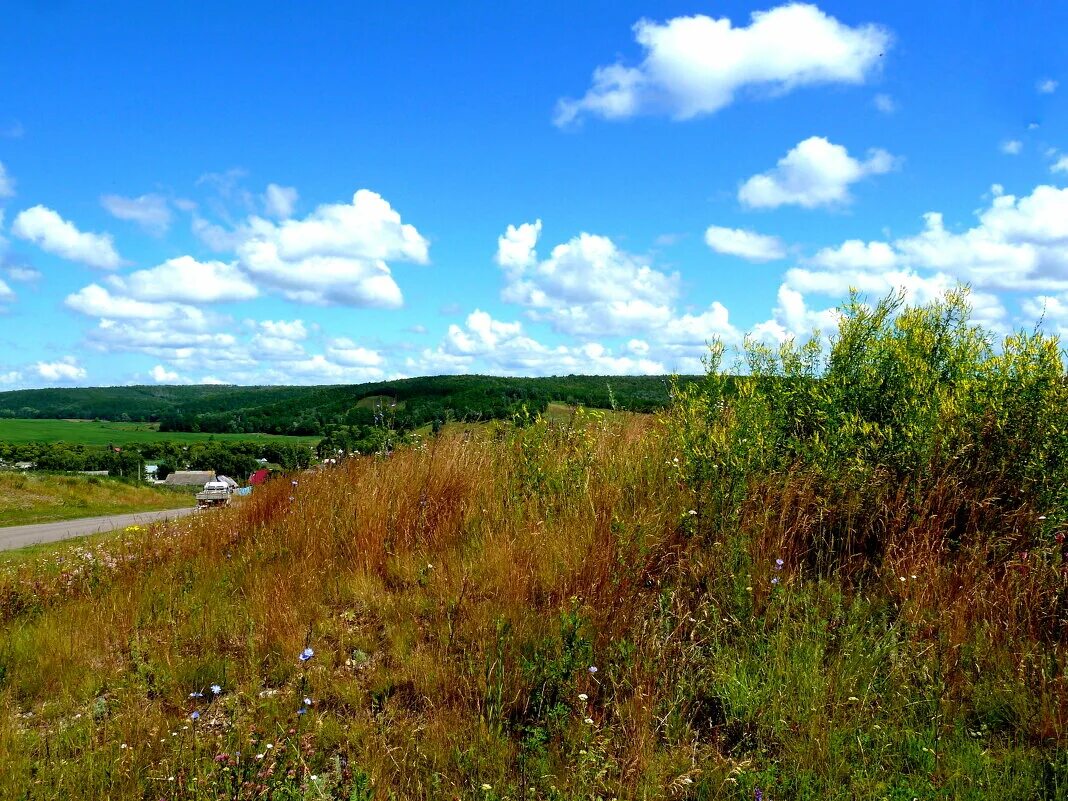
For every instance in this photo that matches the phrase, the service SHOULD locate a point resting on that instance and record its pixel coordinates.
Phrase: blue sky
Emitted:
(275, 195)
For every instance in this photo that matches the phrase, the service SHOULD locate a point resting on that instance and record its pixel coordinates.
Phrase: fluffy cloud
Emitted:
(587, 286)
(279, 201)
(855, 254)
(96, 301)
(63, 370)
(792, 318)
(6, 293)
(1019, 243)
(336, 255)
(151, 212)
(7, 183)
(161, 375)
(504, 348)
(697, 65)
(53, 234)
(1060, 165)
(746, 244)
(345, 352)
(1046, 86)
(1011, 147)
(515, 247)
(814, 173)
(185, 279)
(279, 340)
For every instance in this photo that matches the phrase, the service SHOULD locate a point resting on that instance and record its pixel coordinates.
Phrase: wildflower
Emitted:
(593, 669)
(589, 721)
(216, 689)
(779, 563)
(301, 711)
(195, 716)
(1059, 536)
(196, 695)
(486, 787)
(758, 794)
(775, 580)
(294, 483)
(306, 654)
(583, 697)
(692, 512)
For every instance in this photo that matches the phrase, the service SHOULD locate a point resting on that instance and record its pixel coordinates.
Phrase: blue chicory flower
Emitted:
(195, 716)
(306, 654)
(216, 689)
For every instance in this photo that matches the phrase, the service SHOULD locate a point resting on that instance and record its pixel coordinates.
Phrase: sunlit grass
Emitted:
(41, 497)
(557, 609)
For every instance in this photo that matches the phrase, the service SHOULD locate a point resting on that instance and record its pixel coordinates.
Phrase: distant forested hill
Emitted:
(311, 410)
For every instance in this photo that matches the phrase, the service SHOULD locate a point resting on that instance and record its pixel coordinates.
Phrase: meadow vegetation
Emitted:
(842, 577)
(41, 498)
(104, 432)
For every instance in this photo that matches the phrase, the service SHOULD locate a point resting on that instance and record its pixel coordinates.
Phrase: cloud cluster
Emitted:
(697, 65)
(339, 254)
(50, 232)
(745, 244)
(586, 287)
(65, 370)
(814, 173)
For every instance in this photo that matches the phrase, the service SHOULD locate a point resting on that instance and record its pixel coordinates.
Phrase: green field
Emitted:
(44, 498)
(89, 432)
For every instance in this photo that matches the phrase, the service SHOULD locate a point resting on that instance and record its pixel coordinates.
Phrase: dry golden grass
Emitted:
(456, 596)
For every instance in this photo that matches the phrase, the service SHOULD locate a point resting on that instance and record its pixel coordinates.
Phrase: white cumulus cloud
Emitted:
(184, 279)
(588, 286)
(50, 232)
(814, 173)
(161, 375)
(745, 244)
(96, 301)
(698, 65)
(1011, 147)
(63, 370)
(336, 255)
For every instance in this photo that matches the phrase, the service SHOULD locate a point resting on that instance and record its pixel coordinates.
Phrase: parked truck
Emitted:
(215, 493)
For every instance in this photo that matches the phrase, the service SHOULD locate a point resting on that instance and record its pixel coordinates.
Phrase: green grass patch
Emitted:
(43, 498)
(102, 432)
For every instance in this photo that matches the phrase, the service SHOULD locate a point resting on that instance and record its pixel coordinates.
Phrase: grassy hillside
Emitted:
(311, 410)
(846, 580)
(89, 432)
(41, 498)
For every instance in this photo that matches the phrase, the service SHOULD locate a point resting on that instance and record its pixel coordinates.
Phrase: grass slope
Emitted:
(285, 403)
(846, 578)
(89, 432)
(41, 498)
(457, 605)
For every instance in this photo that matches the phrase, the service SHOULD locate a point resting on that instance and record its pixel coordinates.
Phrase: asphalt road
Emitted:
(21, 536)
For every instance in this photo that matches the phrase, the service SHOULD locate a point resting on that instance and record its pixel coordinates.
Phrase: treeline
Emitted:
(315, 411)
(235, 459)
